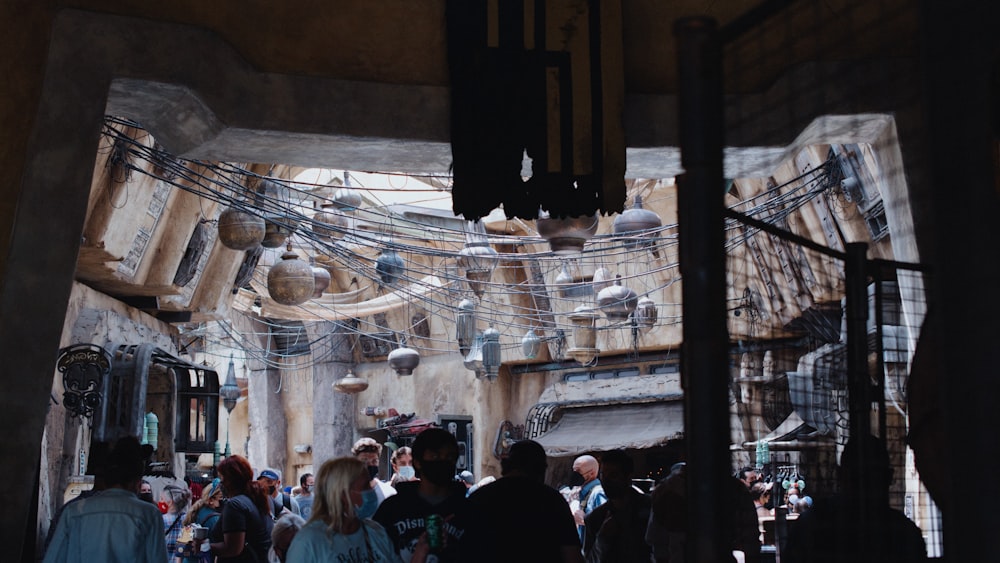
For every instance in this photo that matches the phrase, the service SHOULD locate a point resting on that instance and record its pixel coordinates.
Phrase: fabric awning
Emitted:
(610, 427)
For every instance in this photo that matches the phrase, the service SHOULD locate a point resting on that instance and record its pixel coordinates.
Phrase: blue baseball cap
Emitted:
(269, 474)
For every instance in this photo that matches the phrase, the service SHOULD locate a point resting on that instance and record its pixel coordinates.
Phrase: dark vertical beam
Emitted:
(705, 369)
(859, 381)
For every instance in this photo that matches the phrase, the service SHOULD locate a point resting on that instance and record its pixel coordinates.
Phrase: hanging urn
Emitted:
(291, 281)
(389, 266)
(350, 384)
(478, 259)
(530, 344)
(347, 199)
(634, 225)
(321, 280)
(403, 360)
(617, 302)
(328, 223)
(277, 228)
(566, 235)
(240, 230)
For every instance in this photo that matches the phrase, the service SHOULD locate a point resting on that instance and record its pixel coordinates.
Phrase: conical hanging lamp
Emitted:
(634, 225)
(350, 384)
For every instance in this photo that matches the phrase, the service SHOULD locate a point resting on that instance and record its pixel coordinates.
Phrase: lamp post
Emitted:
(230, 393)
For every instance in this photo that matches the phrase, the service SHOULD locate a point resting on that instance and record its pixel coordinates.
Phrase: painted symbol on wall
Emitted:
(84, 368)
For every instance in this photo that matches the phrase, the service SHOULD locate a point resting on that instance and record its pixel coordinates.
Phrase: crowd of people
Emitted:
(428, 513)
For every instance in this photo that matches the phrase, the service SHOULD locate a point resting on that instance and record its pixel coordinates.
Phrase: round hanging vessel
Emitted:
(347, 199)
(389, 266)
(321, 280)
(634, 224)
(645, 312)
(602, 279)
(276, 230)
(530, 344)
(328, 223)
(240, 230)
(566, 235)
(404, 360)
(291, 281)
(350, 383)
(478, 259)
(617, 302)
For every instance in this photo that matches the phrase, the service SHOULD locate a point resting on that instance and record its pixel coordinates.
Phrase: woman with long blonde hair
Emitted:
(343, 486)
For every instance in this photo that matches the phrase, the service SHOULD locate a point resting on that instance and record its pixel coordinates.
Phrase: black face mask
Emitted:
(438, 472)
(373, 471)
(270, 490)
(576, 480)
(148, 497)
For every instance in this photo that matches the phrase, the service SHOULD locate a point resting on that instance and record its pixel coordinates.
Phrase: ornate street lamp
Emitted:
(230, 393)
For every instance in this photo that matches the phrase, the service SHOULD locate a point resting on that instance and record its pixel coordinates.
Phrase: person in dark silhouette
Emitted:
(616, 529)
(857, 524)
(518, 517)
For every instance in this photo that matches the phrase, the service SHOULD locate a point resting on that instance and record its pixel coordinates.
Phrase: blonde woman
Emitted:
(334, 532)
(205, 512)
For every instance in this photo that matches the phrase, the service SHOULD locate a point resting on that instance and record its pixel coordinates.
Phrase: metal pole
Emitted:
(705, 363)
(859, 381)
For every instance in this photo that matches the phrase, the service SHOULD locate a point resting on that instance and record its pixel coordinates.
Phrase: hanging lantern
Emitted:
(602, 279)
(633, 225)
(291, 281)
(403, 360)
(230, 391)
(350, 384)
(491, 353)
(389, 266)
(328, 224)
(530, 344)
(240, 230)
(478, 259)
(474, 360)
(347, 199)
(566, 235)
(465, 325)
(564, 282)
(645, 313)
(321, 281)
(617, 302)
(584, 348)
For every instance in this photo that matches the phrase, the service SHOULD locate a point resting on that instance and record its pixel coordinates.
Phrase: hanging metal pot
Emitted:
(291, 281)
(389, 266)
(321, 280)
(404, 360)
(328, 223)
(350, 384)
(240, 230)
(617, 302)
(633, 226)
(566, 235)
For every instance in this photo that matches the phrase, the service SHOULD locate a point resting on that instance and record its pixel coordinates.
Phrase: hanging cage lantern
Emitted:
(291, 281)
(328, 223)
(350, 384)
(404, 360)
(645, 312)
(240, 230)
(617, 302)
(465, 325)
(478, 259)
(491, 353)
(389, 266)
(530, 344)
(474, 360)
(635, 224)
(566, 235)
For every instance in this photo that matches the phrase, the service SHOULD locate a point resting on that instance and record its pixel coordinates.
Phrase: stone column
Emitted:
(334, 413)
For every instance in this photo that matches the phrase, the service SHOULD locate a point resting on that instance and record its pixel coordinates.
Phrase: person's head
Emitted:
(306, 483)
(435, 453)
(126, 463)
(402, 464)
(237, 479)
(864, 466)
(283, 533)
(270, 478)
(176, 498)
(145, 487)
(525, 458)
(211, 494)
(616, 474)
(749, 476)
(760, 492)
(343, 488)
(587, 468)
(370, 452)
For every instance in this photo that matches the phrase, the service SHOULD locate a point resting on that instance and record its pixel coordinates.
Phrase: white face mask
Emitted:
(407, 473)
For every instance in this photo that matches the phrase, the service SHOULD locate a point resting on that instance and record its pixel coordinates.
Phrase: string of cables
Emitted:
(429, 249)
